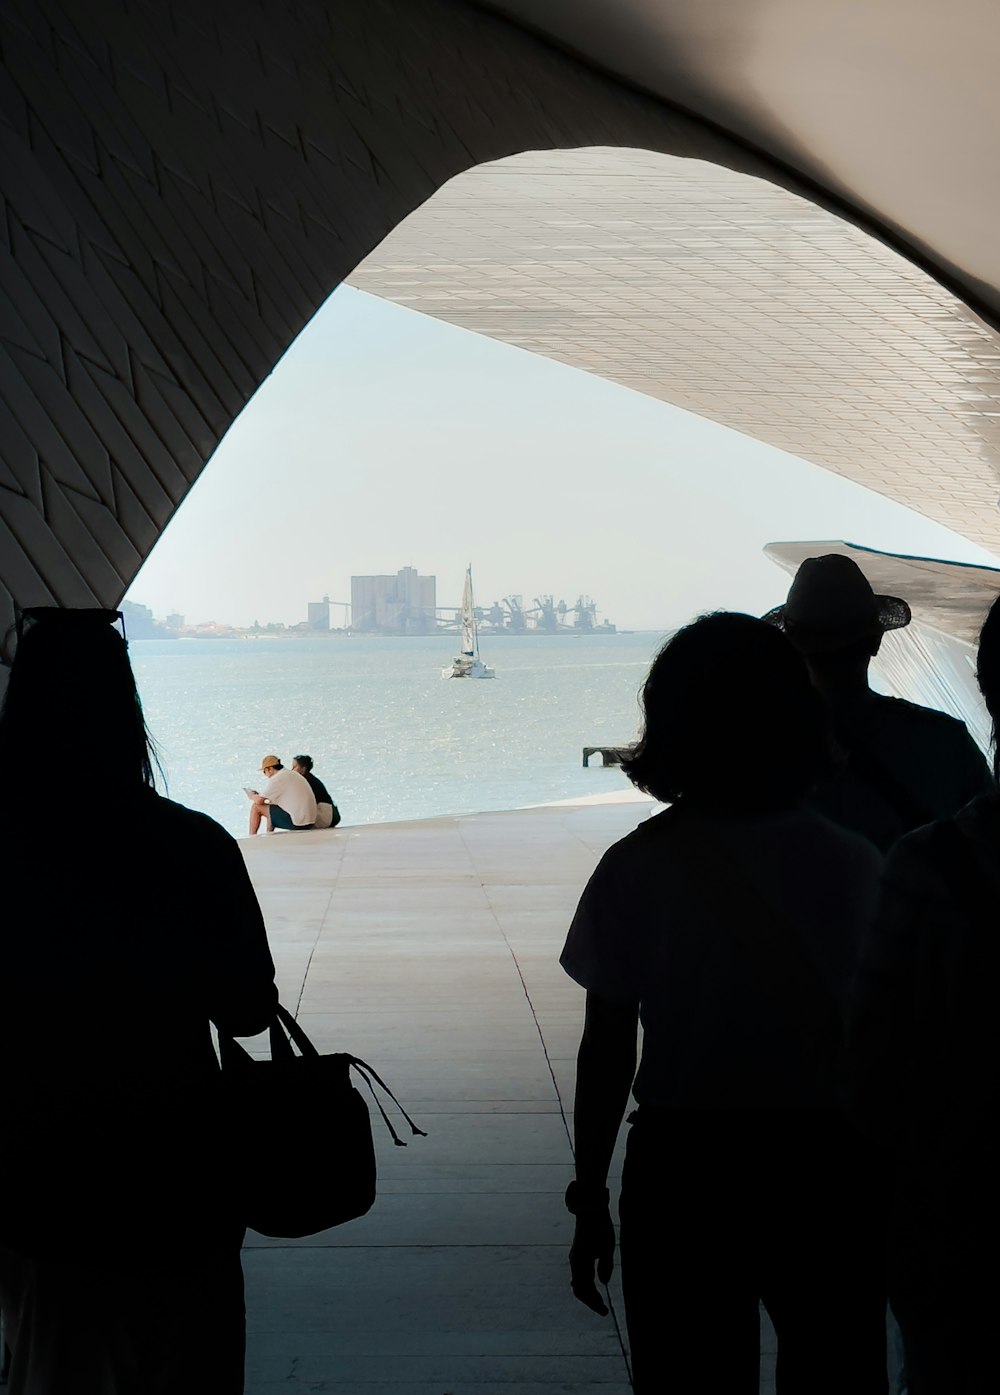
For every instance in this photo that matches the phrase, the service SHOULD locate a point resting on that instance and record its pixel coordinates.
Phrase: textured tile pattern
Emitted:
(724, 295)
(183, 183)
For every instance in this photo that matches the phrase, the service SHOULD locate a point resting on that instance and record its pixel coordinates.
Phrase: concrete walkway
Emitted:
(430, 949)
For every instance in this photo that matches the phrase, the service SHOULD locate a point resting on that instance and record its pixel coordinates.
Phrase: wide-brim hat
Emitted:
(831, 606)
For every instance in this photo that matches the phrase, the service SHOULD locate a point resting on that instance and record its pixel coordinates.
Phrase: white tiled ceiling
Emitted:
(724, 295)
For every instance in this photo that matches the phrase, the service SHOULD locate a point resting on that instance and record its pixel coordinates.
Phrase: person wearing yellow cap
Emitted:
(289, 802)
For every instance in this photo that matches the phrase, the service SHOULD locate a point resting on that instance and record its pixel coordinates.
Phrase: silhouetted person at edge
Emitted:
(730, 926)
(327, 813)
(896, 765)
(123, 936)
(925, 1046)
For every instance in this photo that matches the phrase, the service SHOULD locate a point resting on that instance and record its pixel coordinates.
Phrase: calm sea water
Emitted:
(390, 738)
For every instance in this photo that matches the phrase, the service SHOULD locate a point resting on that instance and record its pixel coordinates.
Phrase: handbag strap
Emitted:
(234, 1055)
(283, 1018)
(366, 1071)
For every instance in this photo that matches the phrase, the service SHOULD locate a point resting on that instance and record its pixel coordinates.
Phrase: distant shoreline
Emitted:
(376, 634)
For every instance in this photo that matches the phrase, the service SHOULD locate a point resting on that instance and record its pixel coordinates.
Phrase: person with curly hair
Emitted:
(729, 926)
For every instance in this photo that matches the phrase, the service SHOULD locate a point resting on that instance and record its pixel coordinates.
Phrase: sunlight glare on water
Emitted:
(391, 739)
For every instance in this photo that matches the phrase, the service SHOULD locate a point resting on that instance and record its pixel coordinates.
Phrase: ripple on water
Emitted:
(390, 738)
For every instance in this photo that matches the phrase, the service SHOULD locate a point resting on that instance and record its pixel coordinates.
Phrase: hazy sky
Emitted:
(385, 439)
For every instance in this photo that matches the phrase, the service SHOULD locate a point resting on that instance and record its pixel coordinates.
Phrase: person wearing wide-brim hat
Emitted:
(831, 607)
(896, 765)
(925, 1058)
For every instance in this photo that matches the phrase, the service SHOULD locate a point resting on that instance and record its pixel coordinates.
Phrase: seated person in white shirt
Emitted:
(289, 802)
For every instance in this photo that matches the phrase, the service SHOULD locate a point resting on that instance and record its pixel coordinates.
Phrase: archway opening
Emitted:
(508, 380)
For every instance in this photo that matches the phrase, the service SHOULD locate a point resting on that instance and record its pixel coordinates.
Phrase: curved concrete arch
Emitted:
(884, 107)
(185, 182)
(724, 295)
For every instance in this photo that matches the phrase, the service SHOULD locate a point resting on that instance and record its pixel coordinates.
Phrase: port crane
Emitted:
(517, 622)
(545, 616)
(585, 611)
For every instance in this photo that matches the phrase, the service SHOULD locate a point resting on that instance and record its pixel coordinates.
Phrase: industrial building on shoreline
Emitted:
(406, 604)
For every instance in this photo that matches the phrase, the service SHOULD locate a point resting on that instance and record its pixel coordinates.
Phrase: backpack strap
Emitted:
(870, 765)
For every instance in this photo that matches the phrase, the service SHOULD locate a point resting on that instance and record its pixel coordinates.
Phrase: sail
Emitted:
(468, 618)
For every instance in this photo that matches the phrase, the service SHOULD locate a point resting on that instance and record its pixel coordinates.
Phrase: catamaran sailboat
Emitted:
(468, 664)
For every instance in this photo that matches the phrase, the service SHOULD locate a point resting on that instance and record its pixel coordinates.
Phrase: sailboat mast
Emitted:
(472, 612)
(470, 639)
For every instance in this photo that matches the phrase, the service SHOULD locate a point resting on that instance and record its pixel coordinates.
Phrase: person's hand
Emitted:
(593, 1246)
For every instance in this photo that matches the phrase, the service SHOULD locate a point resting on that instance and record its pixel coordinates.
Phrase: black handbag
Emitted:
(306, 1158)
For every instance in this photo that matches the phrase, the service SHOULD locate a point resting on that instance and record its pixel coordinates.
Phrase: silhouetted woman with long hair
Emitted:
(925, 1048)
(729, 926)
(129, 926)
